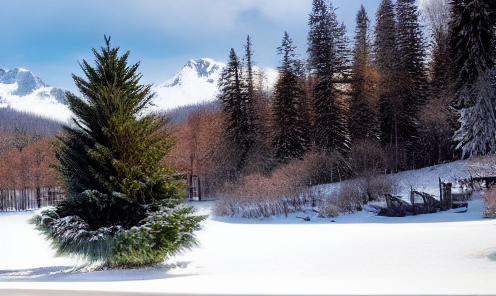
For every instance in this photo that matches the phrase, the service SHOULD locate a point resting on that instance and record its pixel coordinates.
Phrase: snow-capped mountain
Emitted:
(194, 83)
(25, 80)
(21, 90)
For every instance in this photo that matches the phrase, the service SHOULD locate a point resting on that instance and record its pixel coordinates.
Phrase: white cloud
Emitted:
(189, 17)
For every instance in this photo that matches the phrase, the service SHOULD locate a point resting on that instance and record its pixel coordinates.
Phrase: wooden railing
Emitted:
(30, 198)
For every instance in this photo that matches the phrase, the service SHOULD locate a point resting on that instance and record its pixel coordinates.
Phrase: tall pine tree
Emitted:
(328, 58)
(413, 86)
(400, 61)
(386, 59)
(237, 109)
(291, 129)
(438, 117)
(473, 42)
(362, 119)
(249, 75)
(259, 156)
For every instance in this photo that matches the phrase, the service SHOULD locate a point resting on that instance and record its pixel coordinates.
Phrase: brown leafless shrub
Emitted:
(373, 187)
(259, 196)
(349, 198)
(367, 162)
(325, 168)
(367, 158)
(245, 208)
(329, 210)
(288, 188)
(285, 191)
(490, 204)
(353, 194)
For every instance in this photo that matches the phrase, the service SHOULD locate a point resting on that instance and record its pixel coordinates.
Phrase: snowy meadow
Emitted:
(448, 252)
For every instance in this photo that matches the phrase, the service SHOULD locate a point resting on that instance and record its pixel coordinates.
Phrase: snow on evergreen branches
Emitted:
(473, 41)
(167, 230)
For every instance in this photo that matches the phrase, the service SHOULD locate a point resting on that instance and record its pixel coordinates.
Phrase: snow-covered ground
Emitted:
(442, 253)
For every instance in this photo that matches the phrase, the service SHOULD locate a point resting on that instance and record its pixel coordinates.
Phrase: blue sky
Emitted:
(49, 37)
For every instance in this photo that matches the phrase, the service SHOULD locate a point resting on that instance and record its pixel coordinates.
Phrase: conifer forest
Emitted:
(415, 89)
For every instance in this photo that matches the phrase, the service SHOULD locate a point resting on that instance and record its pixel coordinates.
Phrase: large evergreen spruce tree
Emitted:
(291, 129)
(362, 121)
(328, 57)
(118, 208)
(473, 42)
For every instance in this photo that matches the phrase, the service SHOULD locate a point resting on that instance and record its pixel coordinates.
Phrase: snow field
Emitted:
(22, 247)
(340, 257)
(286, 256)
(444, 253)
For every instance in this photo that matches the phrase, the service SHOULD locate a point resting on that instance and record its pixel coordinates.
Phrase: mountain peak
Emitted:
(198, 68)
(205, 66)
(194, 83)
(26, 81)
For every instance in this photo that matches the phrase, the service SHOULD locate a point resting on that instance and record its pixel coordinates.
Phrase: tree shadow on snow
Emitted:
(77, 274)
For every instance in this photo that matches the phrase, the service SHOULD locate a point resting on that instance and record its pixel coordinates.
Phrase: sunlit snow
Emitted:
(442, 253)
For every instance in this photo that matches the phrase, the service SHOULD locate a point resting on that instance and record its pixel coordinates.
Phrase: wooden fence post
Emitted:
(441, 194)
(199, 189)
(412, 200)
(448, 195)
(38, 197)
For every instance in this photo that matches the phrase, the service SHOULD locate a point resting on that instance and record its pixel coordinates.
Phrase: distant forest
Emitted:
(26, 150)
(25, 122)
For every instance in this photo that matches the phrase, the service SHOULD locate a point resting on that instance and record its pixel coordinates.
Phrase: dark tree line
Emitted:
(25, 122)
(423, 103)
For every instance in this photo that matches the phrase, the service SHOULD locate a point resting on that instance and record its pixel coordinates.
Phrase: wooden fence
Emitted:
(198, 188)
(30, 198)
